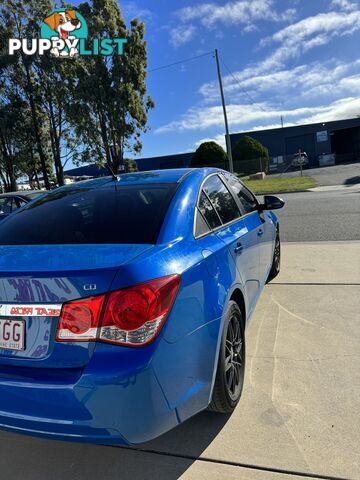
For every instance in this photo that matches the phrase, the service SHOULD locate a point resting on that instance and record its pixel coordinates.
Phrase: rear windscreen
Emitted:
(107, 215)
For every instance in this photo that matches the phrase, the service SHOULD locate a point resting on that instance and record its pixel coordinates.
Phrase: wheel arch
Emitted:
(238, 298)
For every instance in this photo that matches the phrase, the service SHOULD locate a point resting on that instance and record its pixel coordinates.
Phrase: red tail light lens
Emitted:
(79, 320)
(132, 316)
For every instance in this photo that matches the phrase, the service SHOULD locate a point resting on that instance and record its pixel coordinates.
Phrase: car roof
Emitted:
(154, 176)
(175, 175)
(165, 176)
(21, 193)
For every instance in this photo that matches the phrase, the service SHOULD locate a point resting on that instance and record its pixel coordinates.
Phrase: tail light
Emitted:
(79, 320)
(132, 316)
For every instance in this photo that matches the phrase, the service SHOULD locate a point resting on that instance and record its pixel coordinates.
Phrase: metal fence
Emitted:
(288, 163)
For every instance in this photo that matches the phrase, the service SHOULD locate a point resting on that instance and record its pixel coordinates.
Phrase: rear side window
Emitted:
(129, 214)
(20, 202)
(221, 199)
(208, 212)
(201, 227)
(7, 205)
(246, 198)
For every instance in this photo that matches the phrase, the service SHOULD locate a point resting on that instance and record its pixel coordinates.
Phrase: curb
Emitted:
(283, 191)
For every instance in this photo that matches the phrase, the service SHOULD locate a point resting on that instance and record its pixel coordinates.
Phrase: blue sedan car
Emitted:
(123, 303)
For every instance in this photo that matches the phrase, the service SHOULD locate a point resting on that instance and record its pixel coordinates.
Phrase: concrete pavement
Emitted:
(302, 393)
(299, 415)
(320, 262)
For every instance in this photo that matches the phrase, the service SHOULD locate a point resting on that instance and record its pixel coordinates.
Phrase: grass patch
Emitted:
(278, 185)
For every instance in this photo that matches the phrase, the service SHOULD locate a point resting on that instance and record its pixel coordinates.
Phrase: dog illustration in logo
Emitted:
(63, 23)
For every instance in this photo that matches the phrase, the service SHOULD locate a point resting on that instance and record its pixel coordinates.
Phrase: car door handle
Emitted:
(260, 232)
(239, 249)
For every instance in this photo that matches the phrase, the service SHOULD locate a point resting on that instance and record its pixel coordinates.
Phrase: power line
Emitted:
(241, 88)
(186, 60)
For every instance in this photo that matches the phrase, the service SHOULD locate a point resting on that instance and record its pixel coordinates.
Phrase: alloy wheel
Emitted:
(234, 358)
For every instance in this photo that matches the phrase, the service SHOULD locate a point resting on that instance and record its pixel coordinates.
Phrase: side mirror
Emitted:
(272, 203)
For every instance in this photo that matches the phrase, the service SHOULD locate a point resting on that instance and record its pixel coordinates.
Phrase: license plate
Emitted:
(12, 334)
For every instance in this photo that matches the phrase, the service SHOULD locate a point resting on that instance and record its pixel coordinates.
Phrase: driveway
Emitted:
(299, 415)
(348, 174)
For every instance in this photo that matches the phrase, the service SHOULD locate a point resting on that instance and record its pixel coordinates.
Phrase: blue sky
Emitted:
(296, 58)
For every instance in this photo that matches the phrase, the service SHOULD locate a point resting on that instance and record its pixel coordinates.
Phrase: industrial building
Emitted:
(324, 143)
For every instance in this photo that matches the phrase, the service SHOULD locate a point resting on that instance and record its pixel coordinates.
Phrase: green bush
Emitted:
(130, 165)
(209, 154)
(247, 154)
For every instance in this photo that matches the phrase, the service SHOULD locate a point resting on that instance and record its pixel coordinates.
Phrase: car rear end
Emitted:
(75, 353)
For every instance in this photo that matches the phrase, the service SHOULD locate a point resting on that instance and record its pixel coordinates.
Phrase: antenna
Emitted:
(111, 171)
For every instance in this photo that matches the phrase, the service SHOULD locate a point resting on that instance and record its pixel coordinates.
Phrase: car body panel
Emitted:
(90, 391)
(267, 242)
(76, 271)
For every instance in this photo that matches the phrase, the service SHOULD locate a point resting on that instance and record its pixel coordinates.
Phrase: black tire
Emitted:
(275, 267)
(230, 372)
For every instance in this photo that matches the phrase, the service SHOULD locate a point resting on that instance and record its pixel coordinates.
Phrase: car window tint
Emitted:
(201, 227)
(20, 203)
(6, 205)
(246, 198)
(129, 214)
(32, 196)
(208, 212)
(221, 199)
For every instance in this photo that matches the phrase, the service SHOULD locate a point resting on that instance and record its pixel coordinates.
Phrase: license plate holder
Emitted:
(12, 334)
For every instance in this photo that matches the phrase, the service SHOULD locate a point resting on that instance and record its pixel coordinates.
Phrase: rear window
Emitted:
(129, 214)
(32, 196)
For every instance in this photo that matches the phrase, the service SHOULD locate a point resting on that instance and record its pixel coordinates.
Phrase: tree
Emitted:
(110, 105)
(21, 19)
(69, 110)
(53, 81)
(248, 149)
(18, 156)
(208, 154)
(130, 165)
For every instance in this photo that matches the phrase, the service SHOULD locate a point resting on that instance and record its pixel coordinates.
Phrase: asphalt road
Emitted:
(321, 216)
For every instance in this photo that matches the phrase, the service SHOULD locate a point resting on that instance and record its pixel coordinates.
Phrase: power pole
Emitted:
(227, 135)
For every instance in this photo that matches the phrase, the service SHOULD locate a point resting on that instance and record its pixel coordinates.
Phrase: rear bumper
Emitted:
(107, 403)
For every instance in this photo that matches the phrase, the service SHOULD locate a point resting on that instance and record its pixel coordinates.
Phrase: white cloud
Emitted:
(338, 110)
(345, 5)
(234, 13)
(181, 35)
(240, 116)
(317, 92)
(303, 81)
(308, 33)
(132, 10)
(333, 23)
(250, 27)
(219, 139)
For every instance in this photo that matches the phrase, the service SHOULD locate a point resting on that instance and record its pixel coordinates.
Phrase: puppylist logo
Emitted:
(64, 33)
